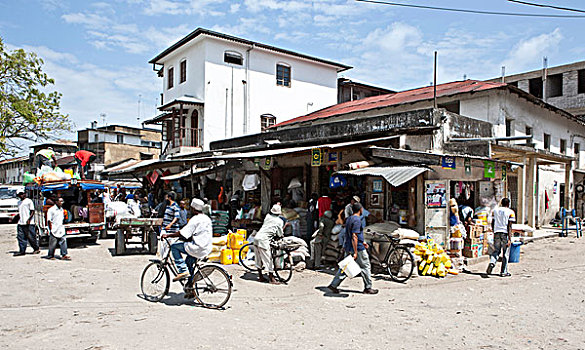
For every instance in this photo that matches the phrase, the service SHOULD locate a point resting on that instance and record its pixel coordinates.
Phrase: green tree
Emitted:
(28, 111)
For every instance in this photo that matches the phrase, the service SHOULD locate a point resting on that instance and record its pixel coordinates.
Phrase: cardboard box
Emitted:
(470, 253)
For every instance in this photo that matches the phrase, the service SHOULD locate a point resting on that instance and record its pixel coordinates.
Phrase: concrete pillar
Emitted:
(530, 189)
(521, 214)
(569, 186)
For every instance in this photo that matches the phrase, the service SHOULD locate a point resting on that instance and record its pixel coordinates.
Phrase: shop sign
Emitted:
(489, 169)
(555, 186)
(448, 162)
(377, 186)
(467, 165)
(316, 157)
(504, 173)
(332, 157)
(267, 163)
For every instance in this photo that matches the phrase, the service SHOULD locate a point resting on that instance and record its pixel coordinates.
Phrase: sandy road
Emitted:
(93, 302)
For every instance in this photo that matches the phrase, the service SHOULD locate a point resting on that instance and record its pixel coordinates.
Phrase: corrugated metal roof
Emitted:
(395, 176)
(402, 97)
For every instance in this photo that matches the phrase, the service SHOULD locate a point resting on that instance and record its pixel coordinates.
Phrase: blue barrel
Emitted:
(515, 252)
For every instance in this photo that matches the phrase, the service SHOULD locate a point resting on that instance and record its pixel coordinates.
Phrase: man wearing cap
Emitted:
(25, 230)
(273, 227)
(197, 237)
(348, 208)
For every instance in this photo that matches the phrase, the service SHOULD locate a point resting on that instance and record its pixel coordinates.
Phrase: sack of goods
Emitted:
(434, 260)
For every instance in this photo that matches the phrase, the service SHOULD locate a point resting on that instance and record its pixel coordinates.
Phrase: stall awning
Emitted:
(395, 176)
(92, 186)
(187, 173)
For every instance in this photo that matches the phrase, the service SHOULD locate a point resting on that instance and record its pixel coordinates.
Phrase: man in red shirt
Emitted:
(84, 158)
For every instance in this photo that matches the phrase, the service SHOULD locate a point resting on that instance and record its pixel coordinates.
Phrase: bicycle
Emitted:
(398, 261)
(211, 284)
(281, 258)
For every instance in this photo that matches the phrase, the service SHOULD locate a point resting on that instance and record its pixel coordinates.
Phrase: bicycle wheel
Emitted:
(247, 257)
(155, 281)
(283, 265)
(400, 264)
(212, 286)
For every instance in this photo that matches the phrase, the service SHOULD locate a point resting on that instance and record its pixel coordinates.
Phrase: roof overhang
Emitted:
(395, 176)
(157, 119)
(183, 100)
(201, 31)
(520, 153)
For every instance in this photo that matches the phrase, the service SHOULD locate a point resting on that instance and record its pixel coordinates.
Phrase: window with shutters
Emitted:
(183, 71)
(170, 78)
(283, 75)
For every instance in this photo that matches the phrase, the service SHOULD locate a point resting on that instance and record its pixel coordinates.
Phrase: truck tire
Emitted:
(92, 239)
(104, 233)
(120, 243)
(152, 242)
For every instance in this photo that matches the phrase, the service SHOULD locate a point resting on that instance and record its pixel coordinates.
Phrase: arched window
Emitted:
(266, 121)
(233, 57)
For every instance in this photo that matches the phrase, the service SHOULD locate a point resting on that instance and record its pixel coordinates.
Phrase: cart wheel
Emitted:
(120, 243)
(104, 233)
(152, 241)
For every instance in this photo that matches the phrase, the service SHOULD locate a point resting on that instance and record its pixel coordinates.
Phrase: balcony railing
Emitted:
(187, 137)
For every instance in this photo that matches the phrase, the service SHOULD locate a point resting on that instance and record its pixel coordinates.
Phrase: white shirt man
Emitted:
(503, 217)
(25, 230)
(56, 216)
(197, 233)
(55, 219)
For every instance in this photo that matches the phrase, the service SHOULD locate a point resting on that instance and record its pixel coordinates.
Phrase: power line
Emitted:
(547, 6)
(471, 11)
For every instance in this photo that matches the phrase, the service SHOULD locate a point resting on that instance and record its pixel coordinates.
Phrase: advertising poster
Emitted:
(436, 195)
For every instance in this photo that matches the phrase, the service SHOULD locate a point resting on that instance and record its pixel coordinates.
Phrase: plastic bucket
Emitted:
(515, 252)
(349, 267)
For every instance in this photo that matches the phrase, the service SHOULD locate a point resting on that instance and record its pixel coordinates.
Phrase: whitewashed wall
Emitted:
(209, 78)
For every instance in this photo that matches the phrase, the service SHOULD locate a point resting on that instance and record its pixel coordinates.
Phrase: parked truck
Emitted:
(85, 216)
(9, 203)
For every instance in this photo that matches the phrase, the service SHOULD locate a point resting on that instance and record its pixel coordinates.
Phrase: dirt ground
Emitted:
(93, 302)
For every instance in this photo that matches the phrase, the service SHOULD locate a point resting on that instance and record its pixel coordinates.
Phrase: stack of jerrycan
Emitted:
(231, 252)
(434, 260)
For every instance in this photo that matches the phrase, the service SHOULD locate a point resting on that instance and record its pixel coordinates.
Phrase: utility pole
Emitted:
(139, 101)
(435, 82)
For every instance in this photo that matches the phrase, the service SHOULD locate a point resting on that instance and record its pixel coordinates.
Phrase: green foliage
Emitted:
(28, 112)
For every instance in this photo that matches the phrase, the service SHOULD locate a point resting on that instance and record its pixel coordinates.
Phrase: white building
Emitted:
(217, 86)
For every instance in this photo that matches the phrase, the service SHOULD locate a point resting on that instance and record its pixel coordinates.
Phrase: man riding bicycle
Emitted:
(197, 241)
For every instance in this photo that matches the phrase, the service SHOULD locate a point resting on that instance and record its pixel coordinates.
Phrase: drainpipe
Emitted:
(247, 92)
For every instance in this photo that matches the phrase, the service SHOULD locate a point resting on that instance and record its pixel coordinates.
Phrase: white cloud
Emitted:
(89, 90)
(529, 52)
(174, 7)
(89, 20)
(234, 8)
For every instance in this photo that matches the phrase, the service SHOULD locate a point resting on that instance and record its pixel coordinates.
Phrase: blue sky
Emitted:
(97, 51)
